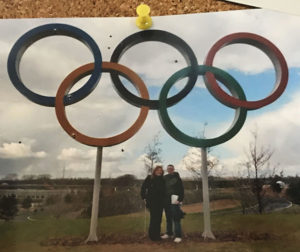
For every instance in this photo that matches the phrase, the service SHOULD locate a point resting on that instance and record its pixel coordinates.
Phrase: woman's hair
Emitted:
(155, 169)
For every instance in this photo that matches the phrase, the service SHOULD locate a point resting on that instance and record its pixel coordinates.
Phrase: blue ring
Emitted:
(27, 39)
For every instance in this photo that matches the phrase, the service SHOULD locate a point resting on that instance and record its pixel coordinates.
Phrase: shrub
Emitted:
(293, 192)
(27, 202)
(8, 207)
(68, 198)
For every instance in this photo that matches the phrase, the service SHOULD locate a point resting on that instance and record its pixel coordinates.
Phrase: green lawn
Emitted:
(283, 227)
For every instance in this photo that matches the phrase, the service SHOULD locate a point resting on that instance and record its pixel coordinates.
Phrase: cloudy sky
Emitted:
(32, 141)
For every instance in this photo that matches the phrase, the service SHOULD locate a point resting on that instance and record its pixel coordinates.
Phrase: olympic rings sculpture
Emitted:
(210, 74)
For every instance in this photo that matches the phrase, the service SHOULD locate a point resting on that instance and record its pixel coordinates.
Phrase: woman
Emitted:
(153, 193)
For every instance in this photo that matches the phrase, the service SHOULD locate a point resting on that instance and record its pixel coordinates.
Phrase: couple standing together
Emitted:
(164, 193)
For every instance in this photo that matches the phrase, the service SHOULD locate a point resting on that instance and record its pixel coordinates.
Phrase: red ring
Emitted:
(83, 71)
(269, 49)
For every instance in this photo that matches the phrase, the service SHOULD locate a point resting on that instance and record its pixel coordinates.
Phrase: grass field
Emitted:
(235, 232)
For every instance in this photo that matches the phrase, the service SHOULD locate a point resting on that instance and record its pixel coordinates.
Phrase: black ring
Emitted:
(27, 39)
(160, 36)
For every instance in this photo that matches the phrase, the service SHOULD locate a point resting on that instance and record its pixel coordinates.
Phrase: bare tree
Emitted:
(258, 167)
(243, 188)
(192, 162)
(152, 153)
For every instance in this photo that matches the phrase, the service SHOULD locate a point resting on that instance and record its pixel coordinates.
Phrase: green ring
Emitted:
(232, 85)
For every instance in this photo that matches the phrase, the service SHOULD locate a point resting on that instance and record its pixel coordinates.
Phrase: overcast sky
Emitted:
(46, 148)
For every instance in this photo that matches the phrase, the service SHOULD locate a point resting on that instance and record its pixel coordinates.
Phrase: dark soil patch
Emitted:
(140, 239)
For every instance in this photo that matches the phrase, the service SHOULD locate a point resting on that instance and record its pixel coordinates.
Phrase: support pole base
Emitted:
(208, 235)
(91, 238)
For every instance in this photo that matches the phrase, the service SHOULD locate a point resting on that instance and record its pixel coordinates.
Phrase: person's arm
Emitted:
(180, 190)
(144, 188)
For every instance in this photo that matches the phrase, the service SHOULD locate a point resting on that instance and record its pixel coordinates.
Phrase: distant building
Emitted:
(35, 194)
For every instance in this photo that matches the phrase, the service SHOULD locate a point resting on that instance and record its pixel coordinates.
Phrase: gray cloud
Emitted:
(19, 150)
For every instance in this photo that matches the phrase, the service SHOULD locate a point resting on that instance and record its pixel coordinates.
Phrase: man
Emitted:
(174, 190)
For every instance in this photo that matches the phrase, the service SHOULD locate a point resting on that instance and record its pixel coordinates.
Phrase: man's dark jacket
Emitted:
(173, 186)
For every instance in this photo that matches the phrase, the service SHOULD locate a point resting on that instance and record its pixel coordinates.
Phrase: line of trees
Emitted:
(14, 177)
